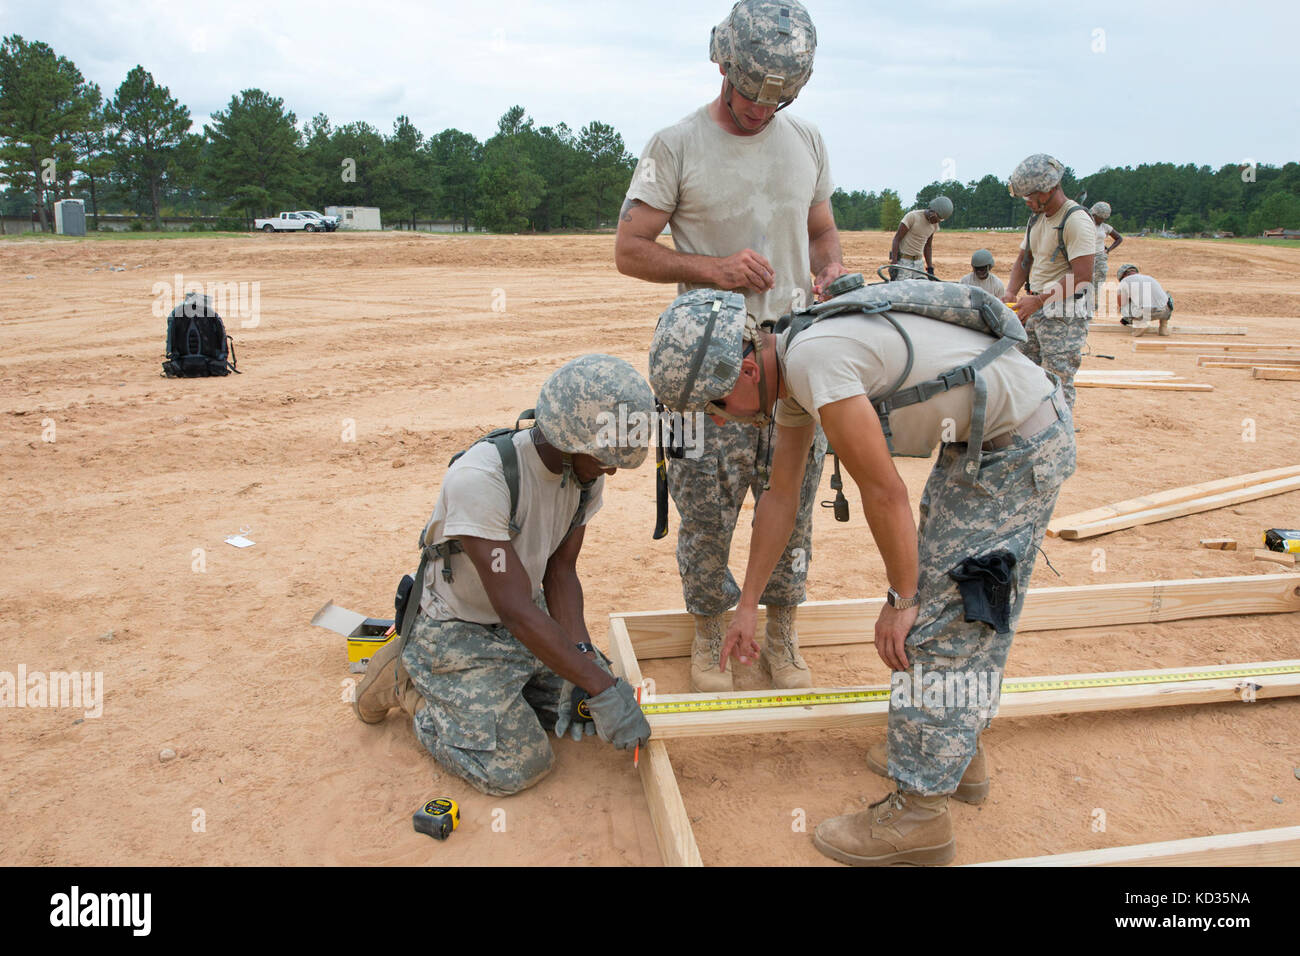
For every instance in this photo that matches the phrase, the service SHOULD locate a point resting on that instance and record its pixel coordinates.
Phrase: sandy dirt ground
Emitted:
(396, 338)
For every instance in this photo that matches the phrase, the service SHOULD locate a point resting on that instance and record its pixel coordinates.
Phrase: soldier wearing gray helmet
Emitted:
(1055, 268)
(498, 653)
(981, 275)
(957, 584)
(1143, 300)
(1100, 212)
(745, 186)
(913, 245)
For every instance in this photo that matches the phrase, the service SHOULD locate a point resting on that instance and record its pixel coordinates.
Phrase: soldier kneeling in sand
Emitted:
(1143, 300)
(493, 650)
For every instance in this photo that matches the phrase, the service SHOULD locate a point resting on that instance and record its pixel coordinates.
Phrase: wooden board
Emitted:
(1219, 544)
(1126, 374)
(1075, 700)
(672, 826)
(1278, 374)
(1149, 386)
(1182, 509)
(657, 634)
(1278, 847)
(1274, 557)
(1171, 496)
(1176, 329)
(1246, 361)
(1142, 345)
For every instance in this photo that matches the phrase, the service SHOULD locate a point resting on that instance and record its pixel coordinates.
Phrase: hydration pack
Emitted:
(967, 306)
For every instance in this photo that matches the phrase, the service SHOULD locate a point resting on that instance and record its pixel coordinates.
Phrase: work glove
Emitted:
(618, 716)
(929, 270)
(570, 719)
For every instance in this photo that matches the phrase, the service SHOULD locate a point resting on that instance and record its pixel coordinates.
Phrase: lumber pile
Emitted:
(1176, 503)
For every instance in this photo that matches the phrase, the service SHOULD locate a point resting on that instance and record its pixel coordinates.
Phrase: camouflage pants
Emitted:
(915, 264)
(488, 703)
(1099, 270)
(1057, 336)
(1008, 506)
(709, 491)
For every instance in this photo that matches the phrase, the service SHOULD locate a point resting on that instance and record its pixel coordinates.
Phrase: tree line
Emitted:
(59, 139)
(135, 152)
(1187, 199)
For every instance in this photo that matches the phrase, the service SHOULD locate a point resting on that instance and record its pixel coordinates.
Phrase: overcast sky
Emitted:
(905, 93)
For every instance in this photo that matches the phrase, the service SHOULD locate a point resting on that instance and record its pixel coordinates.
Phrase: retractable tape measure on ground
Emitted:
(1010, 686)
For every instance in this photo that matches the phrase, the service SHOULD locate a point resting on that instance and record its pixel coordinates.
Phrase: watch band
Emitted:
(901, 603)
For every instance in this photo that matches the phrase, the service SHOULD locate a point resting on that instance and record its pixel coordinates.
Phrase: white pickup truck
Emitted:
(330, 223)
(290, 222)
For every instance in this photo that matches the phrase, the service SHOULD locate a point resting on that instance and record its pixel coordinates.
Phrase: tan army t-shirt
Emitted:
(475, 501)
(1104, 229)
(850, 355)
(728, 193)
(1080, 240)
(990, 283)
(919, 229)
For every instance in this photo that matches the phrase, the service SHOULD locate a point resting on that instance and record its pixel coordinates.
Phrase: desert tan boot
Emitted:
(974, 785)
(901, 828)
(1164, 327)
(781, 657)
(385, 686)
(710, 631)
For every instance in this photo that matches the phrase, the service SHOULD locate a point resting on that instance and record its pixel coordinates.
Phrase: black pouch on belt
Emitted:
(986, 584)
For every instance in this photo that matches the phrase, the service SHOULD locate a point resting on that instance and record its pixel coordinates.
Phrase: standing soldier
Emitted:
(981, 275)
(914, 240)
(957, 583)
(745, 187)
(1100, 213)
(1055, 269)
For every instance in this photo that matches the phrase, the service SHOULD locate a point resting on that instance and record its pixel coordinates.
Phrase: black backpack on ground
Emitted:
(197, 343)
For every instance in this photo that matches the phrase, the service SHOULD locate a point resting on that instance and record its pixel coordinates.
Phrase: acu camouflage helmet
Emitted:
(981, 258)
(1038, 173)
(766, 50)
(941, 206)
(698, 348)
(1101, 210)
(597, 405)
(1125, 269)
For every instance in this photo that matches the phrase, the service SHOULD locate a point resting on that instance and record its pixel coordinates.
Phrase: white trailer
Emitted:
(356, 217)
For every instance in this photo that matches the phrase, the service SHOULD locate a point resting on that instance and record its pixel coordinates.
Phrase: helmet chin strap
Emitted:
(726, 100)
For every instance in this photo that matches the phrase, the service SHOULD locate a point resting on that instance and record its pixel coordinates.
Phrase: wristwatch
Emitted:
(902, 603)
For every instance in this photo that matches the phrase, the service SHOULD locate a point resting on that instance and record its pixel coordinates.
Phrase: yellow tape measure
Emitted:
(1018, 685)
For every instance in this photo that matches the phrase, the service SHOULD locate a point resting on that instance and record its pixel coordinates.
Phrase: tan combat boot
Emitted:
(974, 785)
(1164, 327)
(710, 631)
(385, 686)
(901, 828)
(781, 657)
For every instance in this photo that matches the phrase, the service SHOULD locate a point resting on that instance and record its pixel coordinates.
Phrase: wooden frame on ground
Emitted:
(668, 634)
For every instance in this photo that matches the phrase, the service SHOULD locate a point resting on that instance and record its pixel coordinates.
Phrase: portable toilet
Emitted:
(70, 217)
